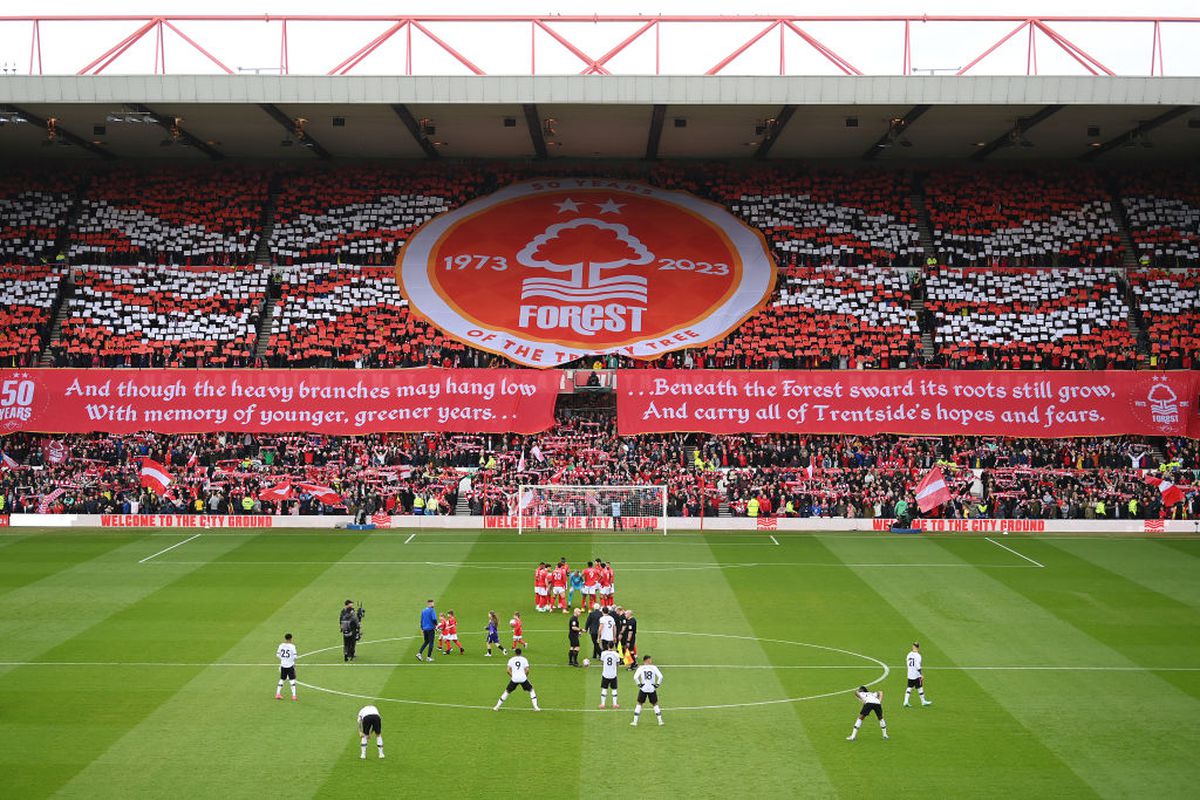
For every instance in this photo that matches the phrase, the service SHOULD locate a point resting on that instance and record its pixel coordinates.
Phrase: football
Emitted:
(586, 662)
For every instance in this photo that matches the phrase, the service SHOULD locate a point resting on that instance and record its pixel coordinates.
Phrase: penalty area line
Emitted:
(169, 549)
(773, 539)
(411, 536)
(1015, 553)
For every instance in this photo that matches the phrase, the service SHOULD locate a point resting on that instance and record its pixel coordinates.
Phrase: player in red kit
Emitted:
(541, 592)
(450, 633)
(518, 633)
(606, 585)
(558, 590)
(591, 584)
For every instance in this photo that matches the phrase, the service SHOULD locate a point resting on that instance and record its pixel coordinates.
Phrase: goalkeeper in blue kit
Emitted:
(574, 584)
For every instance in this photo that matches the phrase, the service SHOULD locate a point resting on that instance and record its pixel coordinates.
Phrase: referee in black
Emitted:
(593, 629)
(348, 624)
(573, 631)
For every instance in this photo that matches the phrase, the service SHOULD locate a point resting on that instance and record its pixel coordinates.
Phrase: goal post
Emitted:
(555, 507)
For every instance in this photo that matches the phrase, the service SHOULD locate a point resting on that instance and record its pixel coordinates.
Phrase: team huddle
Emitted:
(556, 587)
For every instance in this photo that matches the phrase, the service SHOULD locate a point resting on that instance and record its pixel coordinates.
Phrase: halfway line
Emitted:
(1015, 553)
(169, 549)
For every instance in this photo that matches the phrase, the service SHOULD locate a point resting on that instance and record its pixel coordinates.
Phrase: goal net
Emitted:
(641, 508)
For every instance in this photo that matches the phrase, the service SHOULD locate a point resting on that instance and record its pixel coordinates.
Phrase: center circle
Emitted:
(870, 660)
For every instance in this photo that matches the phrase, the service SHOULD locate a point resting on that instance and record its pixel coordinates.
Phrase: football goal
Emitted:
(609, 508)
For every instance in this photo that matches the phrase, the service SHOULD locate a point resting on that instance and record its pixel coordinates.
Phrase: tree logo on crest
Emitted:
(546, 272)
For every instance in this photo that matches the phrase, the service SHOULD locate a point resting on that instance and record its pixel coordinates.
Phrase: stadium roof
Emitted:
(873, 118)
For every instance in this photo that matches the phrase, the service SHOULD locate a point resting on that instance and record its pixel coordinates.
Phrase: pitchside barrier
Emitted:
(677, 524)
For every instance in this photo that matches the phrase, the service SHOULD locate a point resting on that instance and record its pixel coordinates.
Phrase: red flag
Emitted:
(8, 462)
(1171, 494)
(323, 493)
(276, 493)
(932, 491)
(155, 476)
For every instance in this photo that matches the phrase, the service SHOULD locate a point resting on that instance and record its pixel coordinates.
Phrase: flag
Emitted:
(521, 463)
(810, 470)
(537, 453)
(155, 476)
(323, 493)
(8, 462)
(193, 461)
(381, 519)
(1171, 494)
(276, 493)
(47, 500)
(932, 491)
(556, 477)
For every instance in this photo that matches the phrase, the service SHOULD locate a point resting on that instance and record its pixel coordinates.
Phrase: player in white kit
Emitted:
(872, 703)
(915, 678)
(370, 722)
(648, 678)
(518, 675)
(610, 662)
(608, 628)
(287, 666)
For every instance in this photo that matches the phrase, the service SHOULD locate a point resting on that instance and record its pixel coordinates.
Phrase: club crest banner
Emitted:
(545, 272)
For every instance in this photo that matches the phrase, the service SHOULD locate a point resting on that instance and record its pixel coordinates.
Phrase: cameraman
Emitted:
(348, 623)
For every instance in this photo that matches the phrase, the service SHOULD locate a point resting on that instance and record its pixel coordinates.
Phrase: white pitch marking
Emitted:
(443, 663)
(681, 565)
(773, 539)
(1015, 553)
(410, 538)
(172, 547)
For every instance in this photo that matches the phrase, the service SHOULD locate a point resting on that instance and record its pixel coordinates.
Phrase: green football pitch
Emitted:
(1058, 667)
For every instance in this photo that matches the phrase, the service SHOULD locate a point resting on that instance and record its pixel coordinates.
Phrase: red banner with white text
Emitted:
(931, 403)
(342, 402)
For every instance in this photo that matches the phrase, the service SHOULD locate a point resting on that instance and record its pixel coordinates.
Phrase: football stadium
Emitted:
(494, 401)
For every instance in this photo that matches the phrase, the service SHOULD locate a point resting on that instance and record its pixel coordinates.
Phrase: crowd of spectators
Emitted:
(331, 315)
(1016, 318)
(774, 475)
(176, 215)
(27, 298)
(162, 317)
(34, 205)
(363, 214)
(1169, 304)
(1022, 218)
(1163, 209)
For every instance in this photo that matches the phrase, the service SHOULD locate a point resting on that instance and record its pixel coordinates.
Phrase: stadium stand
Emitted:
(362, 214)
(824, 217)
(791, 475)
(825, 318)
(1022, 218)
(172, 215)
(27, 299)
(345, 315)
(1013, 318)
(162, 317)
(1169, 304)
(34, 205)
(1163, 209)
